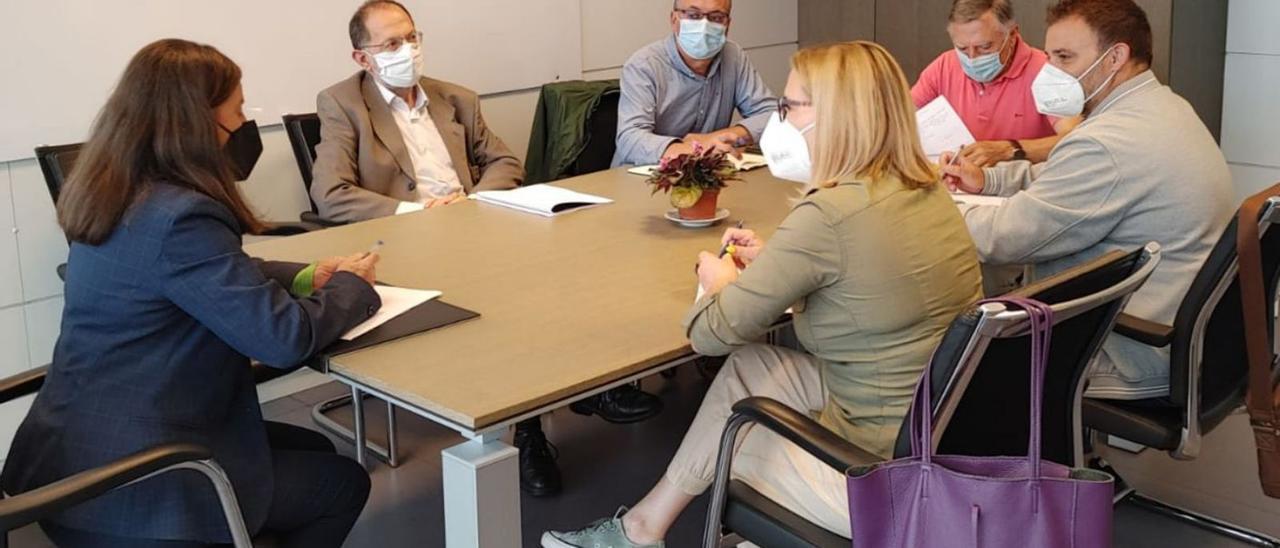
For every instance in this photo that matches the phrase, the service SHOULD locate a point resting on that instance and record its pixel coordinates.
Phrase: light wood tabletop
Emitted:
(568, 304)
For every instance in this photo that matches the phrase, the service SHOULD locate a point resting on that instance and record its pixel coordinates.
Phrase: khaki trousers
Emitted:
(768, 463)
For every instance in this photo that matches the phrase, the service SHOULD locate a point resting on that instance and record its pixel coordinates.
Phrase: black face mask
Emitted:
(243, 148)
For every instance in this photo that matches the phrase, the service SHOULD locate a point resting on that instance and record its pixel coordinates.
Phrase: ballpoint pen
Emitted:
(377, 245)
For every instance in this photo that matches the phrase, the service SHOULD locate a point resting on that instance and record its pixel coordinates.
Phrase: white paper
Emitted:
(977, 199)
(748, 162)
(941, 129)
(643, 171)
(546, 200)
(395, 301)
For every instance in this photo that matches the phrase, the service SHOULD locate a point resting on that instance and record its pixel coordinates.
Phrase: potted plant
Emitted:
(694, 181)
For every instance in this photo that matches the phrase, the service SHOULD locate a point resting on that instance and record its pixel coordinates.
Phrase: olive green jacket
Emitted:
(875, 273)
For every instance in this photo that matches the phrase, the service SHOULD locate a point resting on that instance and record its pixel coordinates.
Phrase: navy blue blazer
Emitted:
(158, 328)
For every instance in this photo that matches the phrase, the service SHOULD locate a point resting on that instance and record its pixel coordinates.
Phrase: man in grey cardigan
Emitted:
(1141, 167)
(685, 88)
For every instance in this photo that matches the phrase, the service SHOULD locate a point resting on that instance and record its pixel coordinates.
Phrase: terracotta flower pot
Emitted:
(705, 208)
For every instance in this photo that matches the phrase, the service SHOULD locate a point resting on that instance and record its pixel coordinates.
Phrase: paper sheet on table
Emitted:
(941, 129)
(395, 301)
(545, 199)
(977, 199)
(748, 162)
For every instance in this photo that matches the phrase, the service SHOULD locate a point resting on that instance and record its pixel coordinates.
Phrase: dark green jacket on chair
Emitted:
(568, 129)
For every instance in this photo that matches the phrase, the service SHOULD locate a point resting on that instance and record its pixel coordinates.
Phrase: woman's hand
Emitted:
(746, 245)
(360, 264)
(714, 273)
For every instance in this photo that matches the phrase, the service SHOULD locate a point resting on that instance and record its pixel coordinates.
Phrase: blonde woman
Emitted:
(875, 260)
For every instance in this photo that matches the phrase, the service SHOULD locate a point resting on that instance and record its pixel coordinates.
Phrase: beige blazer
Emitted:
(362, 168)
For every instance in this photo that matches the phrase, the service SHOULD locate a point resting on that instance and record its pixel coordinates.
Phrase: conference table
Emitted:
(570, 306)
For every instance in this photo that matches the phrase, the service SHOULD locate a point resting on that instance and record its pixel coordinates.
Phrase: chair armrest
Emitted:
(311, 217)
(22, 384)
(23, 509)
(805, 432)
(1144, 331)
(263, 373)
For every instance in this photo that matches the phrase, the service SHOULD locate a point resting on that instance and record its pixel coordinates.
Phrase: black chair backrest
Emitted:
(56, 163)
(1214, 300)
(602, 130)
(986, 414)
(304, 134)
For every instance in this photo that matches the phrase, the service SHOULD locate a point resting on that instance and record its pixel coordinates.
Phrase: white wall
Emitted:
(32, 245)
(1250, 111)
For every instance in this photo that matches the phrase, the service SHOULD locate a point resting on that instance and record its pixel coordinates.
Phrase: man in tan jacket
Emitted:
(393, 141)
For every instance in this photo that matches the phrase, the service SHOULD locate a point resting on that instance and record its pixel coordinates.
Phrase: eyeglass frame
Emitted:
(785, 104)
(386, 45)
(694, 14)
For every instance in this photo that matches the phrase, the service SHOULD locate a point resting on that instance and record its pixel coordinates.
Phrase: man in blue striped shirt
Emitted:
(685, 88)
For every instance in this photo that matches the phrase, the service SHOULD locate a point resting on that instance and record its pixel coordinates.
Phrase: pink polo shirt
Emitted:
(998, 110)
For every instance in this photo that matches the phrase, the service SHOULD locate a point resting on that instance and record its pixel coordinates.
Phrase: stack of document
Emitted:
(544, 199)
(941, 129)
(395, 301)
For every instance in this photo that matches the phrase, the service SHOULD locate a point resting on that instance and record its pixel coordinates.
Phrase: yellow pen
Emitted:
(728, 247)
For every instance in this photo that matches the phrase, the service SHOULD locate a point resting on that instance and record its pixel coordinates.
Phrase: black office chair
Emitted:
(602, 129)
(980, 388)
(304, 134)
(21, 510)
(57, 161)
(1207, 370)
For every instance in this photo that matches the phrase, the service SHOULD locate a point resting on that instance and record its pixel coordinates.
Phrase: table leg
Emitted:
(357, 417)
(393, 459)
(481, 494)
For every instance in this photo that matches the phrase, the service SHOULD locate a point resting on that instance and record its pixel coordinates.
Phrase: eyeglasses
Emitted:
(717, 17)
(393, 44)
(784, 106)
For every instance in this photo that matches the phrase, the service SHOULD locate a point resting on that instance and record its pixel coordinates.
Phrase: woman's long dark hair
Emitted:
(157, 126)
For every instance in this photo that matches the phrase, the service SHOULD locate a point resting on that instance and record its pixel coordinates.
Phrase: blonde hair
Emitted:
(866, 118)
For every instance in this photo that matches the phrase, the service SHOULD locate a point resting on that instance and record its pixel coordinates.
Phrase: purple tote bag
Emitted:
(961, 501)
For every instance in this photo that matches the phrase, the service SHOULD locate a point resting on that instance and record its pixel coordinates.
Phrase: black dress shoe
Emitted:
(622, 405)
(539, 475)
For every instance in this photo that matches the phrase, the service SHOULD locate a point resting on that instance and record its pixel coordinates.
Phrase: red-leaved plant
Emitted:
(687, 176)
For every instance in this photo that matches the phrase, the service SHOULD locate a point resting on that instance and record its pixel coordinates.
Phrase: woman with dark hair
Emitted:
(163, 313)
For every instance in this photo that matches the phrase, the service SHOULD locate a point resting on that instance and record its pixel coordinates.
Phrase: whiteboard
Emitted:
(63, 57)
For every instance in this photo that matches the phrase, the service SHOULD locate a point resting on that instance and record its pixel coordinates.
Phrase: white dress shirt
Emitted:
(432, 166)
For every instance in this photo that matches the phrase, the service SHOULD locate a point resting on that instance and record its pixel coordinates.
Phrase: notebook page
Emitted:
(395, 301)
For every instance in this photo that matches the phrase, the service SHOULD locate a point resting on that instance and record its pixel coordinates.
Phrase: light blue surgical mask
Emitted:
(983, 68)
(701, 39)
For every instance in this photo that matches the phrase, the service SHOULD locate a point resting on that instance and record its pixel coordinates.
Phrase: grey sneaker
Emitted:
(605, 533)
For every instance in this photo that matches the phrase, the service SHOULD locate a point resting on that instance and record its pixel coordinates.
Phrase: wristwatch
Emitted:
(1018, 153)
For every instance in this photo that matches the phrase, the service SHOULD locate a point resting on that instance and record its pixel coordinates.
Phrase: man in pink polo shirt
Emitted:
(987, 79)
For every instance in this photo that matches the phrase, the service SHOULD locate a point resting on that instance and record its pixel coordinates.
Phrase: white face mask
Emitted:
(1060, 94)
(786, 150)
(401, 68)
